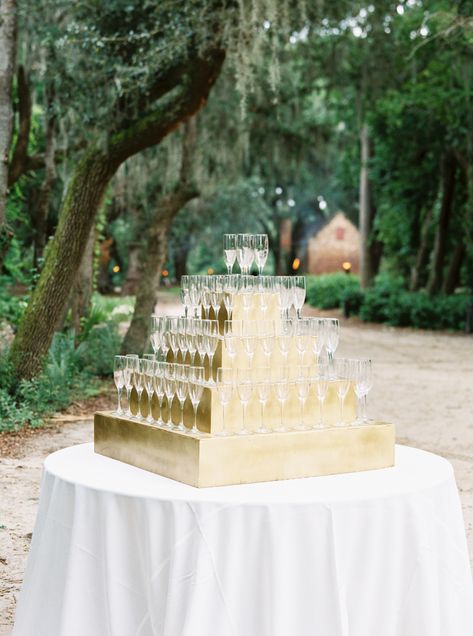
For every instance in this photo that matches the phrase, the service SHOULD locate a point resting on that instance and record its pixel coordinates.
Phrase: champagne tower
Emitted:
(262, 430)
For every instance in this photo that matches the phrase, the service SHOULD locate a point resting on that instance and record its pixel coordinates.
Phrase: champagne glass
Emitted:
(138, 383)
(131, 363)
(261, 251)
(148, 378)
(263, 390)
(119, 366)
(249, 347)
(303, 387)
(181, 392)
(302, 336)
(245, 252)
(298, 294)
(317, 339)
(215, 296)
(331, 338)
(244, 389)
(343, 375)
(363, 385)
(196, 390)
(321, 385)
(195, 294)
(185, 296)
(159, 390)
(230, 250)
(282, 393)
(169, 391)
(224, 386)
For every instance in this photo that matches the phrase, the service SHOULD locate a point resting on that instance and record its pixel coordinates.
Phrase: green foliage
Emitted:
(388, 302)
(327, 291)
(70, 371)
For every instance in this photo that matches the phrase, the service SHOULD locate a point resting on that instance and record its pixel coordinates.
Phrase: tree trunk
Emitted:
(7, 65)
(151, 264)
(422, 252)
(133, 270)
(366, 212)
(84, 197)
(154, 255)
(84, 285)
(180, 262)
(453, 276)
(440, 243)
(41, 212)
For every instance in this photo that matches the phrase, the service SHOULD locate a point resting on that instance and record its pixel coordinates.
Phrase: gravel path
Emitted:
(424, 384)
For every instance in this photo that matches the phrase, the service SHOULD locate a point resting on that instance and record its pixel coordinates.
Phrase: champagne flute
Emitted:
(331, 328)
(196, 390)
(321, 390)
(264, 390)
(119, 366)
(224, 386)
(298, 294)
(148, 378)
(159, 390)
(244, 389)
(343, 375)
(303, 387)
(230, 250)
(282, 393)
(181, 392)
(131, 363)
(363, 385)
(261, 251)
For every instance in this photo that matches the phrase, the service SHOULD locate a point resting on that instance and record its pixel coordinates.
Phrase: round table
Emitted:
(118, 551)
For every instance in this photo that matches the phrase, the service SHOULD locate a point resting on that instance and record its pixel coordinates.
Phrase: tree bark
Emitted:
(133, 270)
(180, 99)
(84, 285)
(440, 243)
(154, 254)
(366, 212)
(453, 276)
(422, 252)
(7, 65)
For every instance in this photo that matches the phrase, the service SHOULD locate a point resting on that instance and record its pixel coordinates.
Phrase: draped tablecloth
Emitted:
(118, 551)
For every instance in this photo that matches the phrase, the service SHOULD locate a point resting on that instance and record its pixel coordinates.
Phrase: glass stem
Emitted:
(365, 414)
(321, 408)
(243, 428)
(229, 269)
(181, 423)
(211, 361)
(119, 406)
(223, 418)
(160, 418)
(282, 404)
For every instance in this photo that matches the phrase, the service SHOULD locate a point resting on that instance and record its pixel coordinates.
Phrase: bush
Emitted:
(352, 298)
(327, 290)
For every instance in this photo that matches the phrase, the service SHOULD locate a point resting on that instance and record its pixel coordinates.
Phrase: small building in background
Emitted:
(337, 242)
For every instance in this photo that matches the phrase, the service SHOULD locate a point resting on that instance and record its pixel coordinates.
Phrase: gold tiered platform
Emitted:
(213, 459)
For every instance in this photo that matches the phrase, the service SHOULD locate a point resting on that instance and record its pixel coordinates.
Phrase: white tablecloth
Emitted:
(118, 551)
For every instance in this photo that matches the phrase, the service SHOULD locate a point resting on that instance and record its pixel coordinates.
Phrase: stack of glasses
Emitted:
(223, 372)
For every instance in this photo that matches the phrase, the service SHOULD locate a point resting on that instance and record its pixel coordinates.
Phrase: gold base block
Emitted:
(208, 460)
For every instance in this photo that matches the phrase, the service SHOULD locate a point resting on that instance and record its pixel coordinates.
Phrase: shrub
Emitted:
(326, 291)
(352, 298)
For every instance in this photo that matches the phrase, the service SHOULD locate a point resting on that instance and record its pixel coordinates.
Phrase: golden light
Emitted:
(116, 269)
(210, 271)
(165, 273)
(296, 263)
(346, 266)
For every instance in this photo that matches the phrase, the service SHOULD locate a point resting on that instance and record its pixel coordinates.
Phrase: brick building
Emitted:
(338, 241)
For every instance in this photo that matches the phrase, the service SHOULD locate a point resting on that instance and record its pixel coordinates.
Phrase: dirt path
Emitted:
(424, 383)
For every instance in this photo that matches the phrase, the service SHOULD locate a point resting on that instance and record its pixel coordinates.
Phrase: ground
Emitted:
(423, 383)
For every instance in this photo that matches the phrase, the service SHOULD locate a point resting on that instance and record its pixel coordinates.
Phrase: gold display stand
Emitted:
(214, 460)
